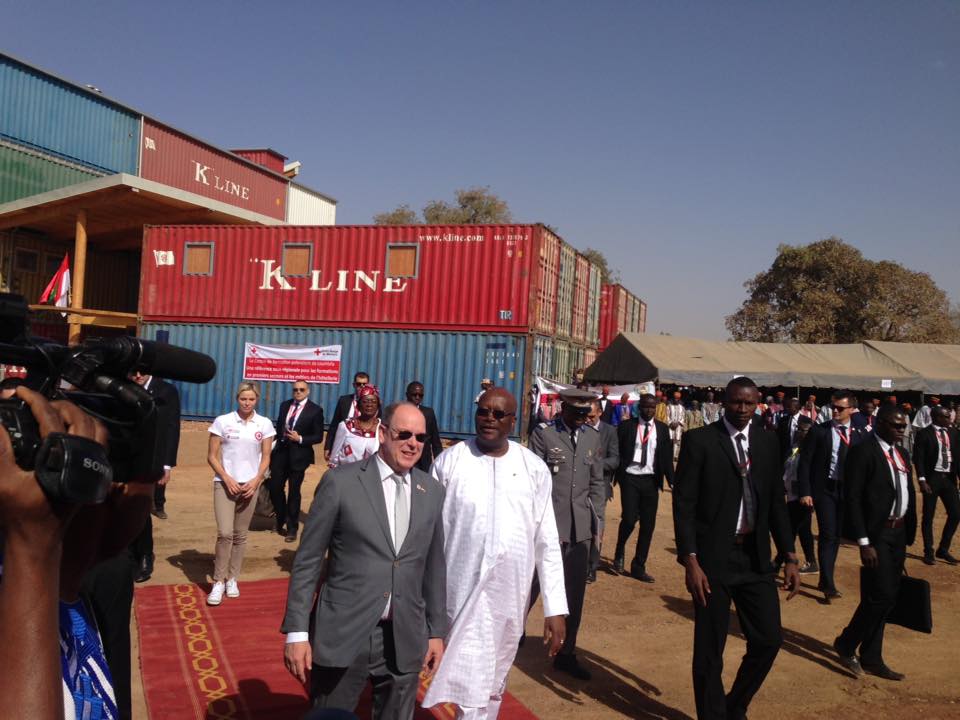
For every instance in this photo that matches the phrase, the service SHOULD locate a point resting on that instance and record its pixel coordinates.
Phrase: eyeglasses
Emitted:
(897, 426)
(841, 408)
(407, 434)
(296, 389)
(497, 414)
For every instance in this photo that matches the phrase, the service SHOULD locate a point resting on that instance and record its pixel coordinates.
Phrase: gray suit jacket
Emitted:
(348, 518)
(579, 491)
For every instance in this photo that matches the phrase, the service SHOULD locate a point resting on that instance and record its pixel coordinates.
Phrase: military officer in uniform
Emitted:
(575, 459)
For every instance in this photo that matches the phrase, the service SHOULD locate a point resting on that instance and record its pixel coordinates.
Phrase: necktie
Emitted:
(897, 504)
(842, 453)
(573, 439)
(401, 514)
(643, 445)
(291, 421)
(944, 449)
(749, 506)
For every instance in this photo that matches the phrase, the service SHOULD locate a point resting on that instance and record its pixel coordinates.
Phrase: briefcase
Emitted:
(912, 610)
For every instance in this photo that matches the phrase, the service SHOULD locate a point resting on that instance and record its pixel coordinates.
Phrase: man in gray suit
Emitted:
(610, 455)
(573, 454)
(381, 613)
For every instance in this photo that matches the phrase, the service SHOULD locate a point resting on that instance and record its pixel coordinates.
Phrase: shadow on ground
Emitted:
(794, 642)
(611, 685)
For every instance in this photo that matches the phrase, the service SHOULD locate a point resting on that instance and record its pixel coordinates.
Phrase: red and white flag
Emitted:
(58, 290)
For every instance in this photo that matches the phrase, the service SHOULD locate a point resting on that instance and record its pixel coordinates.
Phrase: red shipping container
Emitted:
(174, 159)
(265, 157)
(581, 289)
(483, 278)
(620, 311)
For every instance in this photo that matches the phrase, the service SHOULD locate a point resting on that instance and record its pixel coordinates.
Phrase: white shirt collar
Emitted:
(387, 471)
(253, 416)
(733, 431)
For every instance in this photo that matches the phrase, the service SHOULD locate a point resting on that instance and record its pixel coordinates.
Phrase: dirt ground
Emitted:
(637, 638)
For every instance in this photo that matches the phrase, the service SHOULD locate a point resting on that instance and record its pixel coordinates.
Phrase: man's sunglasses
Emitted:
(896, 426)
(841, 408)
(296, 389)
(407, 434)
(497, 414)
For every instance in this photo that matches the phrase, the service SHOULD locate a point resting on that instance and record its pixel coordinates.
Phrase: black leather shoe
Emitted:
(145, 570)
(947, 557)
(641, 575)
(882, 671)
(928, 559)
(850, 661)
(290, 537)
(569, 665)
(618, 566)
(591, 577)
(160, 513)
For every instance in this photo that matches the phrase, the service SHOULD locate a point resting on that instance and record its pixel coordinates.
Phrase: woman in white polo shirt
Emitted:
(239, 453)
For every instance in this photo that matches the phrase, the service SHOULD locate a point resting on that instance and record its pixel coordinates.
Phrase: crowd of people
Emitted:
(433, 557)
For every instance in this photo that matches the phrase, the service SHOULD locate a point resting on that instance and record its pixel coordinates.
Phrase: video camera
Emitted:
(74, 469)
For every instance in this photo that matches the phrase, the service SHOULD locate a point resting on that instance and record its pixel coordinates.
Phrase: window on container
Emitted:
(27, 261)
(198, 259)
(403, 260)
(297, 259)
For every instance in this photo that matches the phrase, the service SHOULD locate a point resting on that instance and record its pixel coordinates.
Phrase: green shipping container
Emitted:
(24, 173)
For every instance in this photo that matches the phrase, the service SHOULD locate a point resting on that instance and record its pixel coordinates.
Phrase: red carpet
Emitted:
(226, 663)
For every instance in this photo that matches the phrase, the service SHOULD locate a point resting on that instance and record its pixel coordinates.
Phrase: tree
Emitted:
(827, 292)
(473, 206)
(402, 215)
(598, 258)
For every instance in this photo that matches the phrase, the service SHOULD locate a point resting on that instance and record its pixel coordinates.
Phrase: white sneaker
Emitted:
(233, 590)
(216, 594)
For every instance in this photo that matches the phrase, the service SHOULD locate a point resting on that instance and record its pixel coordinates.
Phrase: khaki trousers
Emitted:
(233, 521)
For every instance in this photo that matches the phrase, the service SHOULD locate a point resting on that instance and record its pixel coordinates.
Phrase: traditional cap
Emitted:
(368, 390)
(578, 400)
(934, 399)
(486, 381)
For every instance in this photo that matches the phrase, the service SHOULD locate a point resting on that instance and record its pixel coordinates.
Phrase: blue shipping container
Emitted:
(57, 117)
(449, 364)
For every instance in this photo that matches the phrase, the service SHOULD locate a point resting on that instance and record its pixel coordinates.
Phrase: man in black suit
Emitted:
(168, 424)
(606, 407)
(787, 426)
(727, 501)
(934, 452)
(346, 408)
(433, 446)
(646, 460)
(610, 455)
(882, 518)
(820, 481)
(299, 427)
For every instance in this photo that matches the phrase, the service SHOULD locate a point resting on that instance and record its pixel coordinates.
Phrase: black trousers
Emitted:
(639, 498)
(281, 473)
(754, 595)
(576, 561)
(142, 545)
(801, 524)
(394, 692)
(159, 496)
(945, 489)
(829, 518)
(881, 584)
(108, 590)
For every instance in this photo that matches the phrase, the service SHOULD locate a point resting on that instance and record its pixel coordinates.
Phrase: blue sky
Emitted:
(685, 140)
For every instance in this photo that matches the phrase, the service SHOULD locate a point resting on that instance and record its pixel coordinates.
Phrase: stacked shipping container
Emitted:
(489, 299)
(620, 311)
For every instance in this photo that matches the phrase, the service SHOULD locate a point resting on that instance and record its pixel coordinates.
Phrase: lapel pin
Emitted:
(421, 488)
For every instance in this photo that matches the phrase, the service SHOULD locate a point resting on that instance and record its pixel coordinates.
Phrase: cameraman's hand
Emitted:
(23, 506)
